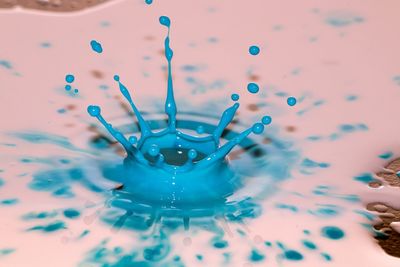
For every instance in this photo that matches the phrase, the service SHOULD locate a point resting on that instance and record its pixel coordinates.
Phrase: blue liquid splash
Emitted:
(178, 168)
(169, 173)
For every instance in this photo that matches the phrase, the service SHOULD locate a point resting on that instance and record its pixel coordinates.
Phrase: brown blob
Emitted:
(390, 176)
(70, 107)
(149, 38)
(290, 129)
(121, 151)
(8, 3)
(236, 154)
(97, 74)
(235, 121)
(254, 77)
(69, 125)
(93, 128)
(388, 238)
(252, 107)
(375, 184)
(267, 140)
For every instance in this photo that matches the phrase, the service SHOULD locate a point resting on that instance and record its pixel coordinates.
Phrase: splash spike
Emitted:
(224, 150)
(95, 111)
(226, 118)
(144, 127)
(170, 105)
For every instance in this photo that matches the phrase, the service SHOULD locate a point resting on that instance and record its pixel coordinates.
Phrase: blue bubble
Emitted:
(235, 97)
(68, 87)
(291, 101)
(76, 91)
(94, 110)
(200, 129)
(96, 46)
(69, 78)
(253, 88)
(192, 154)
(149, 2)
(154, 150)
(266, 120)
(254, 50)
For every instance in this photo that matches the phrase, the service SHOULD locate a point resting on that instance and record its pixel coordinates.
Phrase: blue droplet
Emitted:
(258, 128)
(253, 88)
(96, 46)
(149, 2)
(68, 87)
(235, 97)
(310, 245)
(9, 201)
(116, 78)
(291, 101)
(386, 155)
(69, 78)
(256, 256)
(254, 50)
(293, 255)
(326, 256)
(71, 213)
(76, 91)
(332, 232)
(164, 20)
(94, 110)
(266, 120)
(221, 244)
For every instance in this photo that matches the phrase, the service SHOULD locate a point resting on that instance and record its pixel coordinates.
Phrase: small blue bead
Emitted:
(254, 50)
(291, 101)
